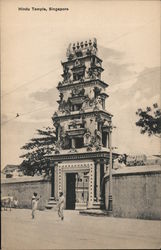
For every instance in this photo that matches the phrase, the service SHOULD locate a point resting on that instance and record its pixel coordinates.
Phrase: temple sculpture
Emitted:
(82, 127)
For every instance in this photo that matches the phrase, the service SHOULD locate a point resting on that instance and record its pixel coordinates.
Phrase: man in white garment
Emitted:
(34, 203)
(61, 206)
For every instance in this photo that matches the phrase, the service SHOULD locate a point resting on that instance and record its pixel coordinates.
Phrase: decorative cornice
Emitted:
(76, 99)
(84, 114)
(80, 58)
(81, 156)
(85, 83)
(75, 132)
(102, 161)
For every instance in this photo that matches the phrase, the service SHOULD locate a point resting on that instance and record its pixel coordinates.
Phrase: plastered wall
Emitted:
(24, 189)
(135, 195)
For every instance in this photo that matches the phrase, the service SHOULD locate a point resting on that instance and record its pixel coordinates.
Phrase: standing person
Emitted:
(61, 206)
(15, 202)
(34, 203)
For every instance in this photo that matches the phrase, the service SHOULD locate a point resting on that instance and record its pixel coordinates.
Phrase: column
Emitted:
(60, 181)
(76, 187)
(105, 166)
(102, 191)
(103, 103)
(58, 131)
(52, 179)
(110, 201)
(56, 180)
(95, 188)
(91, 186)
(73, 143)
(99, 126)
(98, 181)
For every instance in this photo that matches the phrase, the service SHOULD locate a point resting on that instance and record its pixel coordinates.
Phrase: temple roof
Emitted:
(80, 49)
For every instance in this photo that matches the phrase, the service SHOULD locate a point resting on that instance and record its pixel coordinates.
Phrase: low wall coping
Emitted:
(23, 179)
(137, 170)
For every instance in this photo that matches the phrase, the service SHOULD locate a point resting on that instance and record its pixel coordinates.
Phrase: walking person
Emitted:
(34, 203)
(61, 206)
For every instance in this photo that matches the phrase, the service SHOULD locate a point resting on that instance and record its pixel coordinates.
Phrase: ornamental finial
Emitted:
(79, 49)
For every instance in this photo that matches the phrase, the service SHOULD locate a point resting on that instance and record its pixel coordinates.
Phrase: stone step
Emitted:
(50, 207)
(51, 203)
(52, 198)
(96, 212)
(80, 206)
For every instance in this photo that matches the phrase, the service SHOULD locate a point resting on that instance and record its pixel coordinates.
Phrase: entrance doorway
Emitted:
(70, 191)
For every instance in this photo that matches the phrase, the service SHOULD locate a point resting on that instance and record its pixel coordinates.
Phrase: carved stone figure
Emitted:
(55, 114)
(60, 84)
(77, 63)
(57, 147)
(91, 144)
(88, 52)
(78, 91)
(73, 150)
(85, 104)
(81, 79)
(106, 123)
(94, 50)
(92, 73)
(64, 106)
(96, 91)
(66, 74)
(65, 69)
(87, 137)
(61, 96)
(95, 42)
(69, 52)
(74, 123)
(98, 137)
(62, 137)
(98, 103)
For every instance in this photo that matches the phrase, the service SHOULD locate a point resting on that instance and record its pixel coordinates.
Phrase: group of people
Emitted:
(9, 202)
(60, 205)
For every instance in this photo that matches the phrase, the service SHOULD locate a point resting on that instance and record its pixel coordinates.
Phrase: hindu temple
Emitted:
(83, 129)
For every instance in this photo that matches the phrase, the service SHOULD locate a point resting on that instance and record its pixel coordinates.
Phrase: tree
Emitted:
(35, 160)
(150, 120)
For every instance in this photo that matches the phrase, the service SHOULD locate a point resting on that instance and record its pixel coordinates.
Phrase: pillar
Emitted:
(91, 186)
(56, 180)
(73, 143)
(98, 180)
(76, 187)
(52, 179)
(102, 191)
(103, 103)
(110, 201)
(95, 188)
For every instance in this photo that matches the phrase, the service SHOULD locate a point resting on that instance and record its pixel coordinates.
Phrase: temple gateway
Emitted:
(83, 130)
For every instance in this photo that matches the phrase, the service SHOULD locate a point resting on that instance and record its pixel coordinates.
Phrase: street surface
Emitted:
(47, 231)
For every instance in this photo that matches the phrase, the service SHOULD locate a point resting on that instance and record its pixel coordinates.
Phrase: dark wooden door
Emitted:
(70, 191)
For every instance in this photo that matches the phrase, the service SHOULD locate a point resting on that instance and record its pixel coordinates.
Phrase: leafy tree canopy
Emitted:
(150, 120)
(42, 145)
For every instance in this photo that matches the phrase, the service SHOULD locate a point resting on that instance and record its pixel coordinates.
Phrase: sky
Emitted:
(33, 44)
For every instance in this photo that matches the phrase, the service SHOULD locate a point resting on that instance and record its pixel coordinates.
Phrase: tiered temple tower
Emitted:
(82, 128)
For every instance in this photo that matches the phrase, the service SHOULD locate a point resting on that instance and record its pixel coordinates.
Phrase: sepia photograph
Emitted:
(80, 124)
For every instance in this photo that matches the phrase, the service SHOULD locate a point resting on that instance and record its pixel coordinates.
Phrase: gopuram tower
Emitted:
(83, 127)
